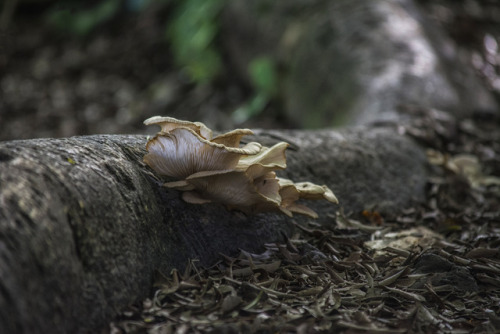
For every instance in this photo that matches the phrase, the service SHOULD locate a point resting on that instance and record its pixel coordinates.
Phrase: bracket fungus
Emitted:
(216, 169)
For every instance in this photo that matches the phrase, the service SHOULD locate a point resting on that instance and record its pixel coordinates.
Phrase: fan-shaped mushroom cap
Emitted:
(310, 190)
(291, 192)
(182, 152)
(236, 188)
(168, 124)
(270, 157)
(231, 138)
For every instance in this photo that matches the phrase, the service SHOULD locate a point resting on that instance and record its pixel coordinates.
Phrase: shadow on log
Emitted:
(84, 224)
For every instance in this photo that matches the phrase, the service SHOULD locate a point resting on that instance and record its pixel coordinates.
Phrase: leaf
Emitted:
(191, 33)
(230, 302)
(407, 295)
(263, 76)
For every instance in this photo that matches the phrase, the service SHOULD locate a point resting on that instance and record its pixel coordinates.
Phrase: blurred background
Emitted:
(103, 66)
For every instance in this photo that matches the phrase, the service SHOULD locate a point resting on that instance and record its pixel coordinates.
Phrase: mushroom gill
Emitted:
(216, 169)
(182, 152)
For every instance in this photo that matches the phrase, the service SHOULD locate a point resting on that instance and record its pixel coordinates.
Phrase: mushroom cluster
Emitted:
(216, 169)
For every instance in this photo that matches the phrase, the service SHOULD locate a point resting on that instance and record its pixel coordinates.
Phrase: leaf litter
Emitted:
(435, 267)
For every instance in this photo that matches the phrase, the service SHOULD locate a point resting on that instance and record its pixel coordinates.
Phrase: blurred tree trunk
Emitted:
(352, 61)
(84, 224)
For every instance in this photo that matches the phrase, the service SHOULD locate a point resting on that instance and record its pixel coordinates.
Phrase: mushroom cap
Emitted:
(269, 157)
(235, 189)
(168, 124)
(182, 152)
(291, 192)
(300, 209)
(194, 198)
(182, 185)
(310, 190)
(249, 188)
(231, 138)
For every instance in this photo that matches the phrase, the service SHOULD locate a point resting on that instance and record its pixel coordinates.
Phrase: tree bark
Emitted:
(84, 224)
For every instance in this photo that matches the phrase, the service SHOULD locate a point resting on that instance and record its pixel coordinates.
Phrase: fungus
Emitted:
(291, 192)
(182, 152)
(216, 169)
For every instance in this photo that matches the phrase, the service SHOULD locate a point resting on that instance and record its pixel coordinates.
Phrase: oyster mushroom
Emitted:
(291, 192)
(236, 189)
(247, 187)
(217, 169)
(182, 152)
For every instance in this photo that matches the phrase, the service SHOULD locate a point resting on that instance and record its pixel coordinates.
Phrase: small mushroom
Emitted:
(308, 190)
(291, 192)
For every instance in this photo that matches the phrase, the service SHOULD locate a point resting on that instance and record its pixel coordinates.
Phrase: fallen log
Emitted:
(85, 224)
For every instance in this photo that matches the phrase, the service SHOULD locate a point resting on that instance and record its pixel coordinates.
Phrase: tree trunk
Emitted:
(351, 61)
(84, 224)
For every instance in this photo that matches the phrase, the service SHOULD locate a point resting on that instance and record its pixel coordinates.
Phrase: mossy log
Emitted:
(85, 224)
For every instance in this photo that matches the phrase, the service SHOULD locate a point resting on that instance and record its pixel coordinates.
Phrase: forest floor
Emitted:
(435, 268)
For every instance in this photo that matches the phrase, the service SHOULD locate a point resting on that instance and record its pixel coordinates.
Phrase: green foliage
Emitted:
(82, 22)
(191, 32)
(250, 109)
(262, 72)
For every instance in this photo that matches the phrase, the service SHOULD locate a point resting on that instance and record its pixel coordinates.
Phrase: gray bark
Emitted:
(84, 224)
